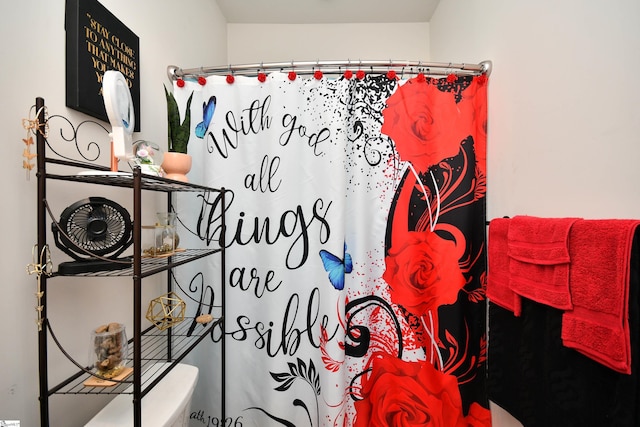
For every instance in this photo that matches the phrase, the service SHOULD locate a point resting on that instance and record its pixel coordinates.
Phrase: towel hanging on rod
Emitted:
(334, 67)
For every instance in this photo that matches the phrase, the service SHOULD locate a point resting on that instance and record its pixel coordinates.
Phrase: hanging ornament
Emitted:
(262, 77)
(180, 83)
(292, 75)
(202, 81)
(28, 156)
(318, 75)
(31, 126)
(391, 75)
(348, 74)
(230, 79)
(360, 75)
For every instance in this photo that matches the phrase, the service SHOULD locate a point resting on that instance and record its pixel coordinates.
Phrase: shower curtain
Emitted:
(355, 235)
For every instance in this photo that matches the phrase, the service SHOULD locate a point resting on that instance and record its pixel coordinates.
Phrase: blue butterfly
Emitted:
(336, 267)
(207, 113)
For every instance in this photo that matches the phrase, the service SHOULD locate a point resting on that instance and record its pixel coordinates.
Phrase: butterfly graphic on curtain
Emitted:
(336, 267)
(208, 108)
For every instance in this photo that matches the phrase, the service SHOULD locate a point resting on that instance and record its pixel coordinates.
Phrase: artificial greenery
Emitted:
(178, 133)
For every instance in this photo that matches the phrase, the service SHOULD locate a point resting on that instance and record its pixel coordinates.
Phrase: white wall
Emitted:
(33, 64)
(247, 42)
(563, 101)
(564, 117)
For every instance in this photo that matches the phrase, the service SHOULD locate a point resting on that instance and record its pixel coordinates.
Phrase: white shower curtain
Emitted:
(326, 193)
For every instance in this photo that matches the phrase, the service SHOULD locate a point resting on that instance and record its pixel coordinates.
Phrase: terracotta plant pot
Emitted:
(176, 166)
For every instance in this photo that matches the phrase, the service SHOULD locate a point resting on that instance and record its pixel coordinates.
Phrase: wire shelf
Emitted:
(154, 358)
(148, 182)
(150, 266)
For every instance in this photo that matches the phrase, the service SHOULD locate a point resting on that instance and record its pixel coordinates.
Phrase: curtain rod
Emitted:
(334, 67)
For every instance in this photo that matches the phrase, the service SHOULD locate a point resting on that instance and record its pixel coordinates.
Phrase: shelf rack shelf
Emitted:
(153, 349)
(147, 346)
(151, 266)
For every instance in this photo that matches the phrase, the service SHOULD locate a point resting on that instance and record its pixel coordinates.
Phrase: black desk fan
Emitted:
(95, 231)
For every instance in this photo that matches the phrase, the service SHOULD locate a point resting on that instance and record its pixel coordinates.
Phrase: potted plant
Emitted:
(176, 162)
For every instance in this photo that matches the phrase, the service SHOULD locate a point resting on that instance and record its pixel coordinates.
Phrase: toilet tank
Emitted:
(166, 405)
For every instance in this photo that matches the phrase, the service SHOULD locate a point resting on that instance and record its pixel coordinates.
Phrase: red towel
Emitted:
(539, 264)
(598, 325)
(498, 290)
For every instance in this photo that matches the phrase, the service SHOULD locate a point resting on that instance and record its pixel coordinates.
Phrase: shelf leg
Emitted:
(137, 297)
(42, 242)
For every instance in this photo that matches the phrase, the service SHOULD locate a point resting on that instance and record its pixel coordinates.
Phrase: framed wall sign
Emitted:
(96, 41)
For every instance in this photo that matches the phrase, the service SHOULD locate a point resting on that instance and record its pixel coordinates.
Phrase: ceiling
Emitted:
(326, 11)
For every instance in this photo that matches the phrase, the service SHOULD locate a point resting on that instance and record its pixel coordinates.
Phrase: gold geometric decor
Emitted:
(166, 311)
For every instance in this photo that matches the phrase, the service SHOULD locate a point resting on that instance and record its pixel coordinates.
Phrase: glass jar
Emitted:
(166, 235)
(109, 349)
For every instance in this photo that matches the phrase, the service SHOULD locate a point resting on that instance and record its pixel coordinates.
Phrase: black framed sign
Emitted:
(97, 41)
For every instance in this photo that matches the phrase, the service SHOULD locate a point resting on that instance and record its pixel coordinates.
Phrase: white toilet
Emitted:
(166, 405)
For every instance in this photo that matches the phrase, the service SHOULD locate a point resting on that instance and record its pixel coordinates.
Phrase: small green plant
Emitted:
(178, 133)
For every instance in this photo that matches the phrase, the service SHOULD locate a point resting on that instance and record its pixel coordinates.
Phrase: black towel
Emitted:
(544, 384)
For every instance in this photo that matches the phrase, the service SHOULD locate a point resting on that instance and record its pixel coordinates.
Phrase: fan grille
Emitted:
(96, 233)
(95, 225)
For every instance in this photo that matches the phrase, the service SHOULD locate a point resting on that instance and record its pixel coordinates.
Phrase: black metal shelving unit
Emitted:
(149, 345)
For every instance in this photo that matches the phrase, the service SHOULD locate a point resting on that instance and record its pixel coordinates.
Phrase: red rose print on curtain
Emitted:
(426, 132)
(423, 273)
(435, 259)
(407, 394)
